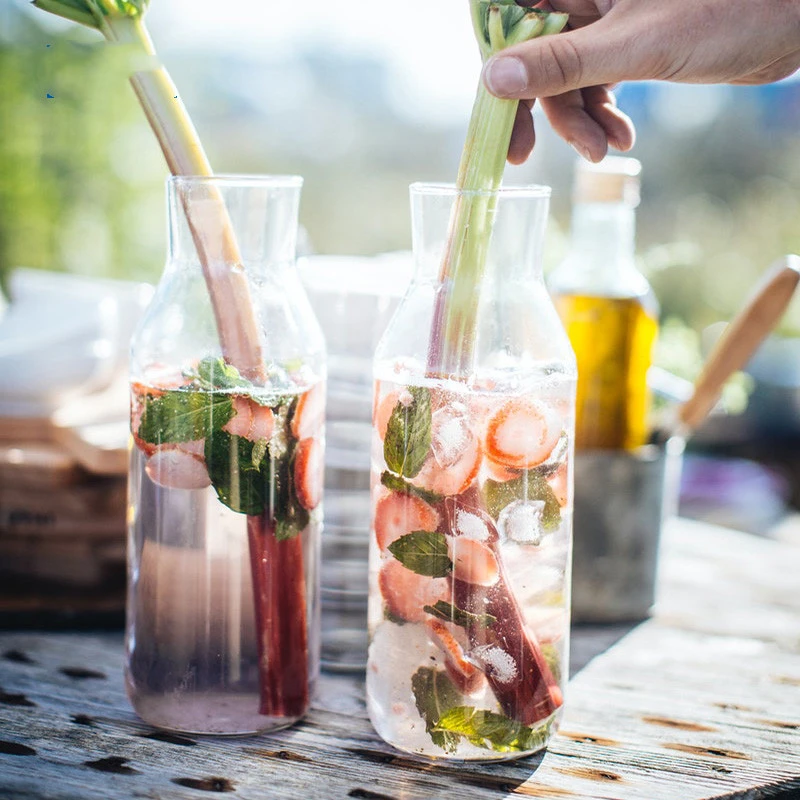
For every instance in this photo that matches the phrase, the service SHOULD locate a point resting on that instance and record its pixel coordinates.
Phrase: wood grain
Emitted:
(702, 701)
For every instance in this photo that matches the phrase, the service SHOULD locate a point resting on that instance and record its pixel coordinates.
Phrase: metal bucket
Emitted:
(621, 502)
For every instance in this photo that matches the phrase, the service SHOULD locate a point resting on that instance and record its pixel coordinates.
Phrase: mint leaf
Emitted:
(214, 373)
(282, 503)
(397, 484)
(408, 434)
(183, 416)
(497, 495)
(434, 694)
(259, 451)
(553, 659)
(450, 613)
(423, 552)
(241, 486)
(492, 731)
(290, 525)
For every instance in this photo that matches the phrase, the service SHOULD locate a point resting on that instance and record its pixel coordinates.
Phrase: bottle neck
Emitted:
(604, 236)
(505, 230)
(602, 252)
(240, 223)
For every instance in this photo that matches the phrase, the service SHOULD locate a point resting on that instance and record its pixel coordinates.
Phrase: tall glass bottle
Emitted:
(472, 496)
(226, 468)
(607, 307)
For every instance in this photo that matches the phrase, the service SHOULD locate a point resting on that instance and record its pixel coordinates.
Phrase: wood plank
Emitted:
(37, 465)
(700, 702)
(96, 429)
(26, 429)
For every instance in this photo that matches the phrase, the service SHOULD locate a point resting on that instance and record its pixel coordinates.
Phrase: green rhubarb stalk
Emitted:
(498, 24)
(277, 567)
(121, 22)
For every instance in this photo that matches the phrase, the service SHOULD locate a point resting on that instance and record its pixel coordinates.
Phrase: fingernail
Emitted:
(582, 151)
(506, 75)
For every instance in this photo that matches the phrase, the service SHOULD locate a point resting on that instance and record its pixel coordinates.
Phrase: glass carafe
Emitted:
(470, 543)
(227, 423)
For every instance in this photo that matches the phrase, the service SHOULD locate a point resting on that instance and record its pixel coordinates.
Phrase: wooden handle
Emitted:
(742, 338)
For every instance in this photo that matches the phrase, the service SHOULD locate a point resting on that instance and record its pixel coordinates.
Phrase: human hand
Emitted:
(687, 41)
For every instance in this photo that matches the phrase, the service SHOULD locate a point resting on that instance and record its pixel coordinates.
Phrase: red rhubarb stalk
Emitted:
(528, 693)
(281, 625)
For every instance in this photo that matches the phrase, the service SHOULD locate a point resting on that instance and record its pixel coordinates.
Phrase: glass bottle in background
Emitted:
(607, 307)
(472, 502)
(222, 632)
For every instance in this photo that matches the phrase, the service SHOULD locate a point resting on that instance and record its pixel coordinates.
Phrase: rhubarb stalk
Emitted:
(121, 22)
(497, 24)
(532, 694)
(277, 567)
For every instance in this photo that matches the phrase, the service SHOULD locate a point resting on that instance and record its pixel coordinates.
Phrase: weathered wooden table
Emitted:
(702, 701)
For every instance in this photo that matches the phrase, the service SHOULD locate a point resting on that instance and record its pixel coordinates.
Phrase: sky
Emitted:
(428, 44)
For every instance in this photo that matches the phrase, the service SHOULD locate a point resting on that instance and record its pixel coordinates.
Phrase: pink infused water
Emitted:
(469, 561)
(222, 627)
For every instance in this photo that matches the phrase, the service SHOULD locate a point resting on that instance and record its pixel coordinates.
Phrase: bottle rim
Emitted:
(244, 180)
(526, 191)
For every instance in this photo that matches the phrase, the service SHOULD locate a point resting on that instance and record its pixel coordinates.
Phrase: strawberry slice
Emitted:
(174, 468)
(263, 423)
(500, 472)
(383, 408)
(521, 434)
(309, 416)
(406, 593)
(473, 561)
(242, 420)
(250, 420)
(466, 676)
(138, 394)
(308, 473)
(560, 485)
(399, 514)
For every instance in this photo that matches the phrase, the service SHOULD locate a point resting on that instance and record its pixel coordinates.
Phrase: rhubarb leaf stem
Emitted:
(453, 333)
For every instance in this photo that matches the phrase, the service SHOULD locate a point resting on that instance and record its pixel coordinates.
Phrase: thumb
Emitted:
(550, 65)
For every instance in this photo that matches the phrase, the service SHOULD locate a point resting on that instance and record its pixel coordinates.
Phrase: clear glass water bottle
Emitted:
(472, 500)
(227, 424)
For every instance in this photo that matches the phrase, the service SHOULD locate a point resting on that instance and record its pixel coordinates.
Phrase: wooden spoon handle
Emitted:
(742, 338)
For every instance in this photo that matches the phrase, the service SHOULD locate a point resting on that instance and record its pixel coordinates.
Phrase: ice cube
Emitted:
(501, 665)
(450, 435)
(521, 522)
(471, 526)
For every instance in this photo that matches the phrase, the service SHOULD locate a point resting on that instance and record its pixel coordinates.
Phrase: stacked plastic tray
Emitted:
(353, 298)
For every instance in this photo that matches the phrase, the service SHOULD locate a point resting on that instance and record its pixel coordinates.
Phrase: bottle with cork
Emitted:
(607, 307)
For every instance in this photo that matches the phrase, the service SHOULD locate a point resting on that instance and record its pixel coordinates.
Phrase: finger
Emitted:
(570, 119)
(523, 137)
(601, 105)
(554, 65)
(590, 121)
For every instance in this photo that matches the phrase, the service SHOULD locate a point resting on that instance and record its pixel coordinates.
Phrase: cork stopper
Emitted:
(613, 180)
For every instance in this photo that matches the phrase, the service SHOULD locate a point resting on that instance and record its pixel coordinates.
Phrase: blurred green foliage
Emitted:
(81, 176)
(72, 194)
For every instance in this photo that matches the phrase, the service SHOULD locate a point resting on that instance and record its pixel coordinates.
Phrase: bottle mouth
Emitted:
(232, 180)
(527, 191)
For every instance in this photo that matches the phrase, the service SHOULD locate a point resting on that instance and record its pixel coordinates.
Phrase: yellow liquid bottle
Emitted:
(607, 308)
